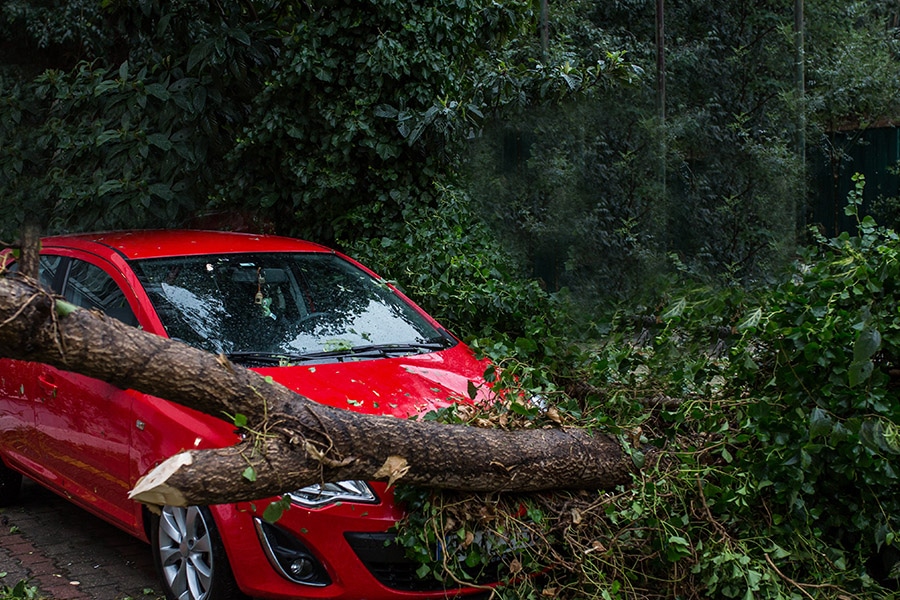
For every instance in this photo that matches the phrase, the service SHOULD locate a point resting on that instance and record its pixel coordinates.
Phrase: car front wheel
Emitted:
(189, 555)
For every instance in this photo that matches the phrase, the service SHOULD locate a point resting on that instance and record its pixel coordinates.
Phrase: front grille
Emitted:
(389, 565)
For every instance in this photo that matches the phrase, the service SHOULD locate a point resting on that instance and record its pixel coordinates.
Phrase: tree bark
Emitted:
(30, 247)
(292, 441)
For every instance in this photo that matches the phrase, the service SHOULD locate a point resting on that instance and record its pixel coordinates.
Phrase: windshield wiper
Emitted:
(339, 354)
(378, 350)
(264, 358)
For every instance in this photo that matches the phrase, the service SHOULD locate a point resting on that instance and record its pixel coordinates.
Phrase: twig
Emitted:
(441, 536)
(789, 580)
(715, 523)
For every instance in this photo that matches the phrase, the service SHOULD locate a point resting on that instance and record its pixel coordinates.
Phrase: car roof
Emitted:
(160, 243)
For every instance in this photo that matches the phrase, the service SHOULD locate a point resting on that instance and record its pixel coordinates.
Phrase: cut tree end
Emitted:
(152, 487)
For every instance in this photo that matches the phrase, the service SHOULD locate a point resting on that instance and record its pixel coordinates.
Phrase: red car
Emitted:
(317, 322)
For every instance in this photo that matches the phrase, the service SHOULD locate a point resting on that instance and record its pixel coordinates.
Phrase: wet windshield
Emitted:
(281, 305)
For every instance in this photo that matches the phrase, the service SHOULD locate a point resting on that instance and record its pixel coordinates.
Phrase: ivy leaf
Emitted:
(751, 320)
(876, 435)
(526, 345)
(860, 371)
(867, 344)
(639, 459)
(386, 111)
(820, 423)
(274, 511)
(676, 310)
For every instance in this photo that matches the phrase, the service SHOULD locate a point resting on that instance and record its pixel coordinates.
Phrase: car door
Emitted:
(18, 390)
(83, 425)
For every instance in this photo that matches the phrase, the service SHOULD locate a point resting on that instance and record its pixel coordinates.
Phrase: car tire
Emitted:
(10, 485)
(189, 556)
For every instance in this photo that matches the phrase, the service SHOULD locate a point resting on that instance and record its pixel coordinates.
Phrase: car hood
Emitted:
(400, 386)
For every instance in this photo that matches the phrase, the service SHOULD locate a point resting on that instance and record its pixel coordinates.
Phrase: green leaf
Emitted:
(638, 459)
(104, 86)
(820, 423)
(240, 420)
(241, 36)
(751, 320)
(385, 111)
(274, 510)
(526, 345)
(64, 309)
(249, 474)
(675, 310)
(726, 456)
(158, 90)
(867, 344)
(160, 140)
(162, 190)
(880, 437)
(860, 371)
(110, 185)
(109, 134)
(473, 558)
(199, 53)
(521, 409)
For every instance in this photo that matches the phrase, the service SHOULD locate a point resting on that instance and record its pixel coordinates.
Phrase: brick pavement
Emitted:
(71, 555)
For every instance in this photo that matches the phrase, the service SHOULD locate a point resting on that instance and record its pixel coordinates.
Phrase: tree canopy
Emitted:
(316, 119)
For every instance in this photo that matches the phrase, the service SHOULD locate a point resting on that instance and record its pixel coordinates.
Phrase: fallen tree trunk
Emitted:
(295, 441)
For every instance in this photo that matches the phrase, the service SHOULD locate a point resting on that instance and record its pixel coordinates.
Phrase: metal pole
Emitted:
(661, 91)
(800, 83)
(661, 60)
(545, 27)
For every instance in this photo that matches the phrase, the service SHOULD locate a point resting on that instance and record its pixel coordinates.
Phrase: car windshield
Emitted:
(283, 306)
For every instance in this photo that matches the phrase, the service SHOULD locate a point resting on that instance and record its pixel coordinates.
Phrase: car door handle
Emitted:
(48, 387)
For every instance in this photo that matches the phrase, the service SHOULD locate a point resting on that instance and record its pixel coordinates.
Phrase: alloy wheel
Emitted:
(185, 552)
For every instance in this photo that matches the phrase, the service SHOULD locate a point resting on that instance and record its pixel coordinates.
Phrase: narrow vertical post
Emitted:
(800, 84)
(545, 27)
(661, 59)
(661, 90)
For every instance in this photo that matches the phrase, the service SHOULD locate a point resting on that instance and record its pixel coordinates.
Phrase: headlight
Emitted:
(323, 494)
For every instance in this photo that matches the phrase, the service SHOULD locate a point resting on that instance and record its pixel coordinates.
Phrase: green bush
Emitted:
(448, 261)
(766, 422)
(821, 365)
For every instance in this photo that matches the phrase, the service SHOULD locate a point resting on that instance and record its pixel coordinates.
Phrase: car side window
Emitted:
(47, 268)
(90, 287)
